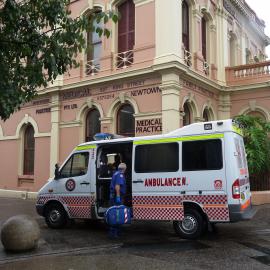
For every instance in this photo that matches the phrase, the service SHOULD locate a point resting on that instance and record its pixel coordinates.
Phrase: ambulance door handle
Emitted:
(137, 181)
(85, 183)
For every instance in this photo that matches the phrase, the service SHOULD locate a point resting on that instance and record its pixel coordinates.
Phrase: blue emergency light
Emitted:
(106, 136)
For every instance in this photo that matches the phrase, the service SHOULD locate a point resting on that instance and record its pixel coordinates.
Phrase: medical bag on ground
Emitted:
(118, 215)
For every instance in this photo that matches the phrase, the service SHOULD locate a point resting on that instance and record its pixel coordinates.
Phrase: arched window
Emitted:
(29, 151)
(92, 124)
(185, 25)
(126, 121)
(204, 38)
(206, 115)
(126, 33)
(257, 114)
(94, 47)
(187, 115)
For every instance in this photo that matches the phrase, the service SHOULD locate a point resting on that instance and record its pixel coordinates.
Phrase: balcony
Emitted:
(248, 74)
(115, 63)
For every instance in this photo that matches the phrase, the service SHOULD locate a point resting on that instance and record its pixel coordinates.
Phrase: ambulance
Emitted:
(193, 176)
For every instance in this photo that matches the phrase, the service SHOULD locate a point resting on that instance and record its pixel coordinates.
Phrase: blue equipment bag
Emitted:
(118, 215)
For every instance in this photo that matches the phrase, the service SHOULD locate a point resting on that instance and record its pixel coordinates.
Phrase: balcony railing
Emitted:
(206, 68)
(92, 67)
(187, 58)
(248, 74)
(124, 59)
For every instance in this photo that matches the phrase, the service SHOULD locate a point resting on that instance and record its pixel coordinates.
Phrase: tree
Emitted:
(257, 143)
(39, 40)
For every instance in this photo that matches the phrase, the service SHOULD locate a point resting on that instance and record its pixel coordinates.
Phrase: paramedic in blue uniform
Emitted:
(117, 193)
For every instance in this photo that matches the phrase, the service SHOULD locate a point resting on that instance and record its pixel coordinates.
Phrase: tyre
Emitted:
(191, 227)
(55, 216)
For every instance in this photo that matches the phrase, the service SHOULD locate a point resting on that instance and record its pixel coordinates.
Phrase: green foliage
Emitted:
(39, 40)
(257, 143)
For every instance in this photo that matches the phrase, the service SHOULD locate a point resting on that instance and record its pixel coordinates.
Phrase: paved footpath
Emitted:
(143, 245)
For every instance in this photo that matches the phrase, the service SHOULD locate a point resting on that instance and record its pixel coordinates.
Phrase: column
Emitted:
(55, 119)
(170, 88)
(197, 41)
(168, 21)
(224, 106)
(222, 46)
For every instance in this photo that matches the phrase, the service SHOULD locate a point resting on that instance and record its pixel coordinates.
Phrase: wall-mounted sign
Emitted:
(146, 91)
(70, 106)
(43, 110)
(149, 126)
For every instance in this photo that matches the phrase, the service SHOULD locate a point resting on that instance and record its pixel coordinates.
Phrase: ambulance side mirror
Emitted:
(56, 172)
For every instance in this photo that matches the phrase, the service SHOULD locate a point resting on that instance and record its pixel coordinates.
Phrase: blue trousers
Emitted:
(114, 231)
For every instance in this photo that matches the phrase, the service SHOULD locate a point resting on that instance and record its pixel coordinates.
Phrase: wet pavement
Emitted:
(143, 245)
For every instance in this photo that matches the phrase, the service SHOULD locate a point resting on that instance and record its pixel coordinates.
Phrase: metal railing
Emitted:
(206, 68)
(92, 67)
(187, 58)
(124, 59)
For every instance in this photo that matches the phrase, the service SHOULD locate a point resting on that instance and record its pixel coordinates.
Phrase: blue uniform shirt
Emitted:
(118, 178)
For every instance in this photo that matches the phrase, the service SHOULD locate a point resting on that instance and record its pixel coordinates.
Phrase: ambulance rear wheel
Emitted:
(55, 216)
(191, 227)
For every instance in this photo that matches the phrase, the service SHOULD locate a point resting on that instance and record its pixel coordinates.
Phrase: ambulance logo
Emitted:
(70, 184)
(218, 184)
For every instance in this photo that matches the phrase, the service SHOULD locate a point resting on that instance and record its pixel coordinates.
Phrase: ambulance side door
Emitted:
(75, 174)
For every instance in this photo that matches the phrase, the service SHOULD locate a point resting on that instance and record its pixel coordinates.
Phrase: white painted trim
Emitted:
(208, 106)
(89, 104)
(117, 102)
(192, 104)
(27, 120)
(139, 3)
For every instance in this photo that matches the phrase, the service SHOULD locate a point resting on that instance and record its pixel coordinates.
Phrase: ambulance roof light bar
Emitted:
(106, 136)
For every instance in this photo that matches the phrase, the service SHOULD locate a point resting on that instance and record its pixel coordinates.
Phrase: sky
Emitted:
(262, 8)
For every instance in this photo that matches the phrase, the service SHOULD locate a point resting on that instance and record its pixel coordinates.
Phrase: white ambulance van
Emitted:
(192, 176)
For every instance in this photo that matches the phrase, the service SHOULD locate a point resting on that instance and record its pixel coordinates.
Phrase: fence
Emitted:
(260, 182)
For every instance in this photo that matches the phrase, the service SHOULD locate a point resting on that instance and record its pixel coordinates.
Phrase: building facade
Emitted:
(168, 63)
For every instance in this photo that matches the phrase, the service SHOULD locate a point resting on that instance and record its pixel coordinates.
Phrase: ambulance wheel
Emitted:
(191, 227)
(55, 216)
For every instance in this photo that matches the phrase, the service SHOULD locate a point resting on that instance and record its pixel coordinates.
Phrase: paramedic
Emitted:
(117, 192)
(118, 185)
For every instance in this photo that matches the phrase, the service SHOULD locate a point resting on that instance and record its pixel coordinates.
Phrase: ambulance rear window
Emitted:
(202, 155)
(240, 153)
(157, 158)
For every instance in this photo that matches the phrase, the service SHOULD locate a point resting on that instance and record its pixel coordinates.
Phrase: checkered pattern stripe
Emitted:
(79, 212)
(77, 206)
(157, 200)
(165, 207)
(158, 213)
(206, 199)
(157, 207)
(217, 213)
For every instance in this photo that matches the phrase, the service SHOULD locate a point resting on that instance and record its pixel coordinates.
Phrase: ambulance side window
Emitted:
(202, 155)
(77, 165)
(162, 157)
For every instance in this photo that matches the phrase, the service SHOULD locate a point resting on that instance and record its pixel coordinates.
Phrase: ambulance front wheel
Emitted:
(55, 216)
(191, 227)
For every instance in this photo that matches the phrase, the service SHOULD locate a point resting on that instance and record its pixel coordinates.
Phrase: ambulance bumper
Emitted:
(237, 214)
(40, 209)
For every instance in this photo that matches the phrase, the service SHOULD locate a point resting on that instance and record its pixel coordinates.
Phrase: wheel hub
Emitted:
(189, 223)
(55, 215)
